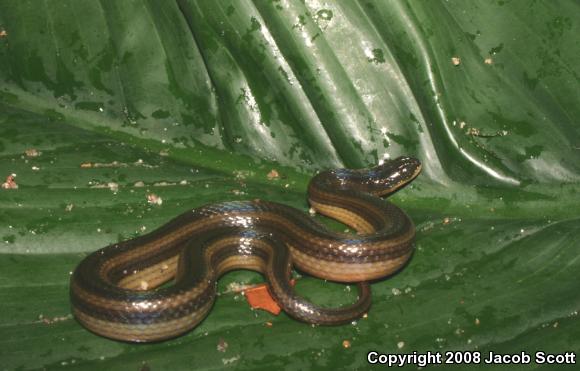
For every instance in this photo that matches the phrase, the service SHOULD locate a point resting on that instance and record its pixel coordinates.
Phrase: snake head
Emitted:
(395, 174)
(380, 180)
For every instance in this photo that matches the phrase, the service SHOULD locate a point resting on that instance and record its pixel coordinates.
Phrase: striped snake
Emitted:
(119, 292)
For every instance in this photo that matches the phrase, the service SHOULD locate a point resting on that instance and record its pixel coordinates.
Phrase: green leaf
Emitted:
(103, 103)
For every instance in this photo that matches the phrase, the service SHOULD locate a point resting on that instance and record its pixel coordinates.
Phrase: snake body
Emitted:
(115, 291)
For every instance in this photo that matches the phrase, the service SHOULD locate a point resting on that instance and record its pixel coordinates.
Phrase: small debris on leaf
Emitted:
(456, 61)
(10, 183)
(222, 345)
(50, 321)
(153, 199)
(116, 164)
(237, 287)
(227, 361)
(273, 174)
(259, 298)
(346, 344)
(473, 132)
(32, 152)
(111, 185)
(114, 187)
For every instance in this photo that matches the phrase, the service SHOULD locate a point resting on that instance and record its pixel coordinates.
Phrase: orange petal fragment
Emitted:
(259, 298)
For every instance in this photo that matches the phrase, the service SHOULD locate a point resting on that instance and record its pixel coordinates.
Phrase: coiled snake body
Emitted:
(107, 292)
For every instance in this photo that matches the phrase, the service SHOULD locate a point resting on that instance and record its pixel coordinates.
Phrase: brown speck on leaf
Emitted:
(144, 285)
(346, 344)
(222, 345)
(273, 174)
(268, 324)
(86, 165)
(3, 33)
(153, 199)
(32, 152)
(10, 182)
(456, 61)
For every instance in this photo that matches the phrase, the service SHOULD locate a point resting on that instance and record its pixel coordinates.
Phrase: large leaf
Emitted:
(197, 101)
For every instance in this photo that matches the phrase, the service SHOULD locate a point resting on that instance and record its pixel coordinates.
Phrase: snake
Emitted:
(162, 284)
